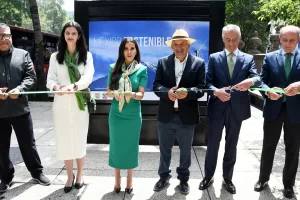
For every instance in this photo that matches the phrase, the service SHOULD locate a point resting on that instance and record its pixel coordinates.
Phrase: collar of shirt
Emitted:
(293, 52)
(179, 68)
(292, 57)
(235, 52)
(178, 61)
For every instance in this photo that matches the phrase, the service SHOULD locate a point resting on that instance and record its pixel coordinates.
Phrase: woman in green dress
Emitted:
(127, 80)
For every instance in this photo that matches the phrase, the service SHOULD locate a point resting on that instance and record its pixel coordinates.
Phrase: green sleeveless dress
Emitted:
(125, 126)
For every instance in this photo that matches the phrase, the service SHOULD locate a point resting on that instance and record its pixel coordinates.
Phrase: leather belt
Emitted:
(176, 109)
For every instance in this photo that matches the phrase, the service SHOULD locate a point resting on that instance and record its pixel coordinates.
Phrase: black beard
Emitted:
(4, 53)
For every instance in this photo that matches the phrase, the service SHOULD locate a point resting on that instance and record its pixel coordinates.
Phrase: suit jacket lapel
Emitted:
(224, 65)
(280, 64)
(295, 63)
(238, 64)
(188, 66)
(171, 68)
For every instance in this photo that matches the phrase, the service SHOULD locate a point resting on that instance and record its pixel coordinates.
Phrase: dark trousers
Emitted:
(215, 129)
(272, 132)
(167, 132)
(22, 126)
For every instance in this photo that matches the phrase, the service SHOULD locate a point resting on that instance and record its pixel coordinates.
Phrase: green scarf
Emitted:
(82, 97)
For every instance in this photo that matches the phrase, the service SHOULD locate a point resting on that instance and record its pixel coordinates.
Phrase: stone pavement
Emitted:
(99, 178)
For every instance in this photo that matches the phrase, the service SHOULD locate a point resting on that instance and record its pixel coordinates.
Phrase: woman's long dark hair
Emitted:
(117, 70)
(81, 45)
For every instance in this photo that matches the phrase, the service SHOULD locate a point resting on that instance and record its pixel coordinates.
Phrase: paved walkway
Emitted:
(99, 178)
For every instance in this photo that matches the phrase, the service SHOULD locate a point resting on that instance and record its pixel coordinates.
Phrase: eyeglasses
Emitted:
(5, 36)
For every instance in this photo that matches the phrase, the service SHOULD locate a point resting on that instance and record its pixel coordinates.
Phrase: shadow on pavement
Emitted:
(16, 191)
(61, 195)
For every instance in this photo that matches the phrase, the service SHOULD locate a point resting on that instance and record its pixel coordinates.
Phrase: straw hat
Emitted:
(180, 34)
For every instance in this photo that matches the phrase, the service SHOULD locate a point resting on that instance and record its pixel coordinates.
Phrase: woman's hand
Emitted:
(117, 95)
(63, 89)
(128, 94)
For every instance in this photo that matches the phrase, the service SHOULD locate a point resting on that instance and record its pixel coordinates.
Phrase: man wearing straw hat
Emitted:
(179, 80)
(16, 74)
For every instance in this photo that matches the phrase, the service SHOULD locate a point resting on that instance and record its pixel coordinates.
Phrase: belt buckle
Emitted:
(176, 110)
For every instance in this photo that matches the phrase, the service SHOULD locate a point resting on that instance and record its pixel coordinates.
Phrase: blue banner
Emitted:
(105, 38)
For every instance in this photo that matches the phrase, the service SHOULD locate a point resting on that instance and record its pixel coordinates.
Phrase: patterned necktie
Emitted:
(287, 68)
(288, 64)
(230, 63)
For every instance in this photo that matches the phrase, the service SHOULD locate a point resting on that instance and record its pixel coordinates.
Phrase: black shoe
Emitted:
(4, 186)
(260, 186)
(184, 187)
(288, 193)
(229, 186)
(80, 185)
(117, 190)
(128, 191)
(69, 188)
(205, 183)
(41, 179)
(161, 184)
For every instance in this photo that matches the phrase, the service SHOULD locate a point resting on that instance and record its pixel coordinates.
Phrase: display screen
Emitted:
(105, 38)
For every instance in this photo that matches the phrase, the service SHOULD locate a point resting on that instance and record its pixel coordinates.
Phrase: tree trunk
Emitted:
(39, 51)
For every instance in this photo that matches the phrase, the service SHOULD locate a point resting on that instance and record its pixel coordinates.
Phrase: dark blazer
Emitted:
(16, 71)
(218, 77)
(273, 75)
(193, 78)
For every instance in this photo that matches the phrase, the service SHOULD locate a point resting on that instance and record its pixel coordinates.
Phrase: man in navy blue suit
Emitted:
(281, 69)
(229, 76)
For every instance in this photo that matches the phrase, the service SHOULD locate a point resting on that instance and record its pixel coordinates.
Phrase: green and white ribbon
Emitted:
(281, 91)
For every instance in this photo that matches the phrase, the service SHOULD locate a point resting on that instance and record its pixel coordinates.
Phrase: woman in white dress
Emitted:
(71, 69)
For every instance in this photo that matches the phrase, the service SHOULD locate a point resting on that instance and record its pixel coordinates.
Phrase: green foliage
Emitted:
(52, 16)
(240, 12)
(12, 11)
(275, 10)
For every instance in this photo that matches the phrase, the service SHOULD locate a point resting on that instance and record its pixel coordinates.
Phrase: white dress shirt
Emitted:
(292, 57)
(179, 68)
(235, 54)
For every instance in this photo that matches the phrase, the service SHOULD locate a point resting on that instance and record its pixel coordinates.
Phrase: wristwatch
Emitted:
(134, 95)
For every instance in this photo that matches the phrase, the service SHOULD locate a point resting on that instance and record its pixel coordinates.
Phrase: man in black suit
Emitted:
(16, 74)
(178, 82)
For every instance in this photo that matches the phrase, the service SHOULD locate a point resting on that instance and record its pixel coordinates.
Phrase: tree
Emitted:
(12, 12)
(39, 50)
(56, 16)
(276, 10)
(52, 16)
(240, 12)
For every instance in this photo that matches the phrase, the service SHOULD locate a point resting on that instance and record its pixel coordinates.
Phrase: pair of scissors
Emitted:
(229, 89)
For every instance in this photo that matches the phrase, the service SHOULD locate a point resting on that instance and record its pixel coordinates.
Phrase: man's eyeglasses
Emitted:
(5, 36)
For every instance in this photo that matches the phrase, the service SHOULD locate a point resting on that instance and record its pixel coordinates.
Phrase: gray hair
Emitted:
(290, 28)
(231, 27)
(4, 26)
